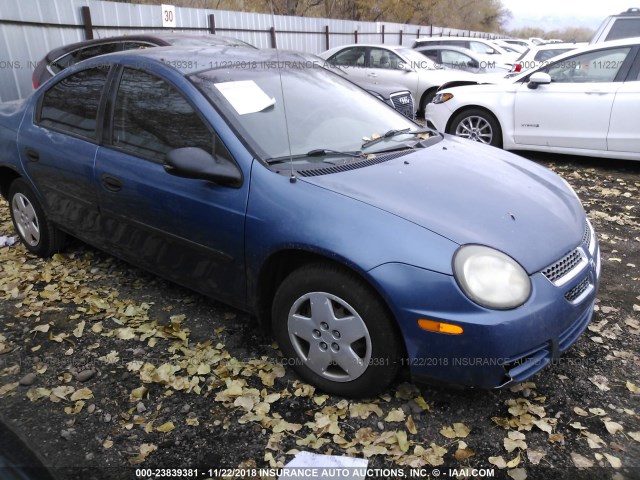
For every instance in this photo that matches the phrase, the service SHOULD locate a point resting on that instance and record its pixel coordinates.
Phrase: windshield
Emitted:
(323, 111)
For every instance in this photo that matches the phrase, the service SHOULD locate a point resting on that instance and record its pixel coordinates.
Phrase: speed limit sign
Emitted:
(168, 15)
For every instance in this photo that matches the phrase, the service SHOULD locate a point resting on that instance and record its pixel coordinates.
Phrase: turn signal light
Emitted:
(439, 327)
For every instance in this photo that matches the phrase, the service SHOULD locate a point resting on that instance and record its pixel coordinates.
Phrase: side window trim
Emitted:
(100, 114)
(620, 76)
(110, 117)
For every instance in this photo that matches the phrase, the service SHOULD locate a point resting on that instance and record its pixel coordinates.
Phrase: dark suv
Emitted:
(616, 27)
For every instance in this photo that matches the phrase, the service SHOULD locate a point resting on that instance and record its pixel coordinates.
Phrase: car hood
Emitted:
(471, 193)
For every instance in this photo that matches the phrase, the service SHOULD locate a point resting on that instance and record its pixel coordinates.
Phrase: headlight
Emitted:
(442, 97)
(491, 278)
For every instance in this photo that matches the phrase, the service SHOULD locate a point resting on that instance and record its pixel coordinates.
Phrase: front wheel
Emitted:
(477, 125)
(29, 220)
(335, 332)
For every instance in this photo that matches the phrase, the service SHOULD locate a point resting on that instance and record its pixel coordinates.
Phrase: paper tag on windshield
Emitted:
(245, 96)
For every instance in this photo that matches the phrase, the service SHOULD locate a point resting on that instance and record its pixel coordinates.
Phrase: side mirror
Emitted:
(406, 68)
(192, 162)
(537, 79)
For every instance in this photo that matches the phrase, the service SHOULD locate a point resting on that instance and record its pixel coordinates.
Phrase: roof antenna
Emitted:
(292, 176)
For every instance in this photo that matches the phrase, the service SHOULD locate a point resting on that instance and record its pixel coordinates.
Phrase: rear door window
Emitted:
(72, 104)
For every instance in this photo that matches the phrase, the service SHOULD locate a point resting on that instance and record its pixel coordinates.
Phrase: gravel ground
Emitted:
(105, 369)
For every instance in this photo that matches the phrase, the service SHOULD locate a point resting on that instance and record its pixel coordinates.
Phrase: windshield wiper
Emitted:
(318, 152)
(393, 133)
(323, 152)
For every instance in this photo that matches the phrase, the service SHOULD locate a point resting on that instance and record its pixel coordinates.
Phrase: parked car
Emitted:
(367, 242)
(509, 47)
(63, 57)
(464, 59)
(397, 65)
(478, 45)
(519, 41)
(616, 27)
(540, 55)
(584, 102)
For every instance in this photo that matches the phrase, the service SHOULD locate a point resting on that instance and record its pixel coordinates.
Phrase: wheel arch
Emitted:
(281, 263)
(474, 107)
(7, 176)
(422, 104)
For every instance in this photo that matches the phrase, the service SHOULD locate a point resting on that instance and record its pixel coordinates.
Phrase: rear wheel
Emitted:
(477, 125)
(335, 332)
(31, 224)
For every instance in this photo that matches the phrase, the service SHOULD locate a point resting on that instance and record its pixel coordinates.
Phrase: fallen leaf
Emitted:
(518, 474)
(631, 387)
(363, 410)
(613, 427)
(395, 415)
(581, 462)
(403, 443)
(166, 427)
(613, 461)
(498, 462)
(580, 412)
(284, 426)
(8, 387)
(535, 456)
(601, 382)
(82, 394)
(145, 450)
(77, 332)
(459, 430)
(514, 462)
(411, 426)
(371, 450)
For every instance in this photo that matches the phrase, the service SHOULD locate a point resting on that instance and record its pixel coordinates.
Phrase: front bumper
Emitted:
(496, 347)
(437, 116)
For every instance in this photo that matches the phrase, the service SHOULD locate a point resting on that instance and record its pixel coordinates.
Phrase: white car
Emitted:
(585, 102)
(478, 45)
(397, 65)
(462, 59)
(541, 55)
(510, 47)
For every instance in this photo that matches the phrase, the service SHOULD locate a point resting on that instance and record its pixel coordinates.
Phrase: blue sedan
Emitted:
(265, 181)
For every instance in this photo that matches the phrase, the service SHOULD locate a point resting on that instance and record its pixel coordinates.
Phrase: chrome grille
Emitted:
(586, 238)
(578, 290)
(562, 267)
(403, 103)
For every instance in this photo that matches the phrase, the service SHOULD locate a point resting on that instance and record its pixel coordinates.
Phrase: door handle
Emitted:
(372, 74)
(111, 183)
(32, 155)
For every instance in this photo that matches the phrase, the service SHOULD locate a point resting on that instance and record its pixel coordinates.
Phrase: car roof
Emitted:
(445, 47)
(190, 59)
(160, 38)
(462, 39)
(558, 46)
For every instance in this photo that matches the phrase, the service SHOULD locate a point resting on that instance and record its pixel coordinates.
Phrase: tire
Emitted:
(30, 222)
(347, 344)
(426, 98)
(477, 125)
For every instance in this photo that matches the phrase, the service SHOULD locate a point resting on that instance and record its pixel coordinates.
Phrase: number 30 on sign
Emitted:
(168, 15)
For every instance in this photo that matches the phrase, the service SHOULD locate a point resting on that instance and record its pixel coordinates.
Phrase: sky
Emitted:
(552, 14)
